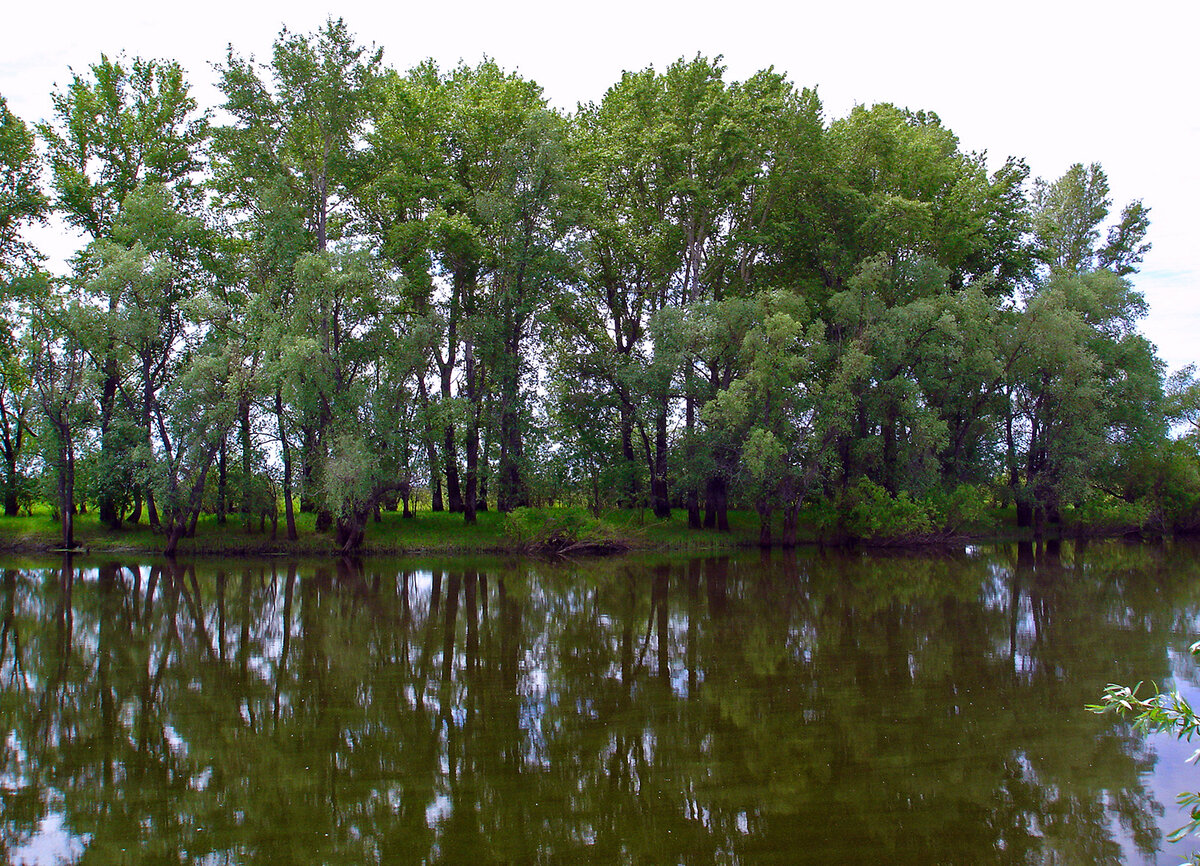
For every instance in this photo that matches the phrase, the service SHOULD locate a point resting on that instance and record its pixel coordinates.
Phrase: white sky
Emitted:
(1052, 81)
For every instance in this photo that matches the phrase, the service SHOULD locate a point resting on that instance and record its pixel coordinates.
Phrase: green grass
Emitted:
(426, 532)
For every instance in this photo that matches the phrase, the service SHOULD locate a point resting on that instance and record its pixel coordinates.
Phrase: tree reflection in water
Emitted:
(815, 708)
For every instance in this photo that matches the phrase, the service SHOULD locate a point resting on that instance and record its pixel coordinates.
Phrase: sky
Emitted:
(1051, 81)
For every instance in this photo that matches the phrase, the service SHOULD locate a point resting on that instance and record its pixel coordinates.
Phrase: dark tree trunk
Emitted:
(453, 488)
(471, 503)
(435, 473)
(308, 453)
(222, 481)
(693, 496)
(631, 494)
(151, 510)
(658, 472)
(108, 396)
(790, 516)
(511, 490)
(286, 452)
(764, 526)
(717, 500)
(247, 467)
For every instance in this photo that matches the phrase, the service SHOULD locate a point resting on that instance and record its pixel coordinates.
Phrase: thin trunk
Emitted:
(631, 494)
(512, 492)
(435, 475)
(247, 480)
(764, 525)
(453, 488)
(151, 510)
(66, 483)
(108, 397)
(222, 480)
(471, 502)
(693, 496)
(286, 450)
(658, 471)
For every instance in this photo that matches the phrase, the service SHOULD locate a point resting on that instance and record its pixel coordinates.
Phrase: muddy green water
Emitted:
(801, 708)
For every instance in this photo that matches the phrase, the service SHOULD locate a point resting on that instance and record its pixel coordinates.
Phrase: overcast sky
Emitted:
(1051, 81)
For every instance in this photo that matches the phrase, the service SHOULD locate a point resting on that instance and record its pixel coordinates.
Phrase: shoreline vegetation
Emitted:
(700, 312)
(556, 531)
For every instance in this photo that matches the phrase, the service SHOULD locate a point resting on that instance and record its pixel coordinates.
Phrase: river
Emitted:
(807, 707)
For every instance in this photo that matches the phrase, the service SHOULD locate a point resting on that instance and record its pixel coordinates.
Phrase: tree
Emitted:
(124, 125)
(344, 360)
(59, 379)
(288, 168)
(21, 204)
(788, 406)
(466, 203)
(1086, 391)
(154, 295)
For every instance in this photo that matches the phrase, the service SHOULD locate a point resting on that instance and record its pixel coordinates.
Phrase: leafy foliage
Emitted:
(1163, 712)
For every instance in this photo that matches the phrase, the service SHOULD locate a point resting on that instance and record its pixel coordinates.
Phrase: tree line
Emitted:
(347, 284)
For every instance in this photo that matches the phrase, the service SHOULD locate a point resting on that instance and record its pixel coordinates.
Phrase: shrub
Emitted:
(558, 530)
(869, 512)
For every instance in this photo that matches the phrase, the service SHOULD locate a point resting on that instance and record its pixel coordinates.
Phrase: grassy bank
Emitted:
(425, 532)
(563, 530)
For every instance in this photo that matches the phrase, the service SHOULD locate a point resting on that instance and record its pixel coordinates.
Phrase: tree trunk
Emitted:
(453, 488)
(693, 496)
(286, 451)
(790, 515)
(764, 526)
(66, 482)
(435, 476)
(717, 500)
(658, 471)
(222, 480)
(512, 492)
(308, 453)
(630, 494)
(151, 510)
(247, 467)
(471, 503)
(108, 397)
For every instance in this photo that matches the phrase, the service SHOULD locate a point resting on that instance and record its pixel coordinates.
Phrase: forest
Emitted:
(349, 288)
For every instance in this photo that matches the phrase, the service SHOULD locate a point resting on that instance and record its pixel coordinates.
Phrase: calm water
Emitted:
(809, 708)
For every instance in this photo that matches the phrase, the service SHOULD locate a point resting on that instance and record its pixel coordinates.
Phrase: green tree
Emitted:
(22, 203)
(787, 407)
(287, 169)
(1087, 393)
(123, 125)
(466, 202)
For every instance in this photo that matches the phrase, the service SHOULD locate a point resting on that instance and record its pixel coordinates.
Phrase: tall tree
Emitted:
(1087, 392)
(124, 124)
(467, 204)
(22, 203)
(288, 166)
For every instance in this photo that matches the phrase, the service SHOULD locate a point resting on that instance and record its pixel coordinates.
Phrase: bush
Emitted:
(967, 506)
(1108, 514)
(870, 513)
(558, 530)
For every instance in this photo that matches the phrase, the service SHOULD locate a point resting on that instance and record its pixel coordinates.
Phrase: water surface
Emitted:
(800, 708)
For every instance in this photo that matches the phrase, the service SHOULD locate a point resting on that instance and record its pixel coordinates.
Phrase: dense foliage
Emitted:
(348, 286)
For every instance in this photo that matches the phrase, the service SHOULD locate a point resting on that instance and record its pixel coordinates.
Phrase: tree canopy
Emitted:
(350, 285)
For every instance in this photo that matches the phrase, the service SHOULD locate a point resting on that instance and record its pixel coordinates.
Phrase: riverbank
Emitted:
(424, 533)
(570, 531)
